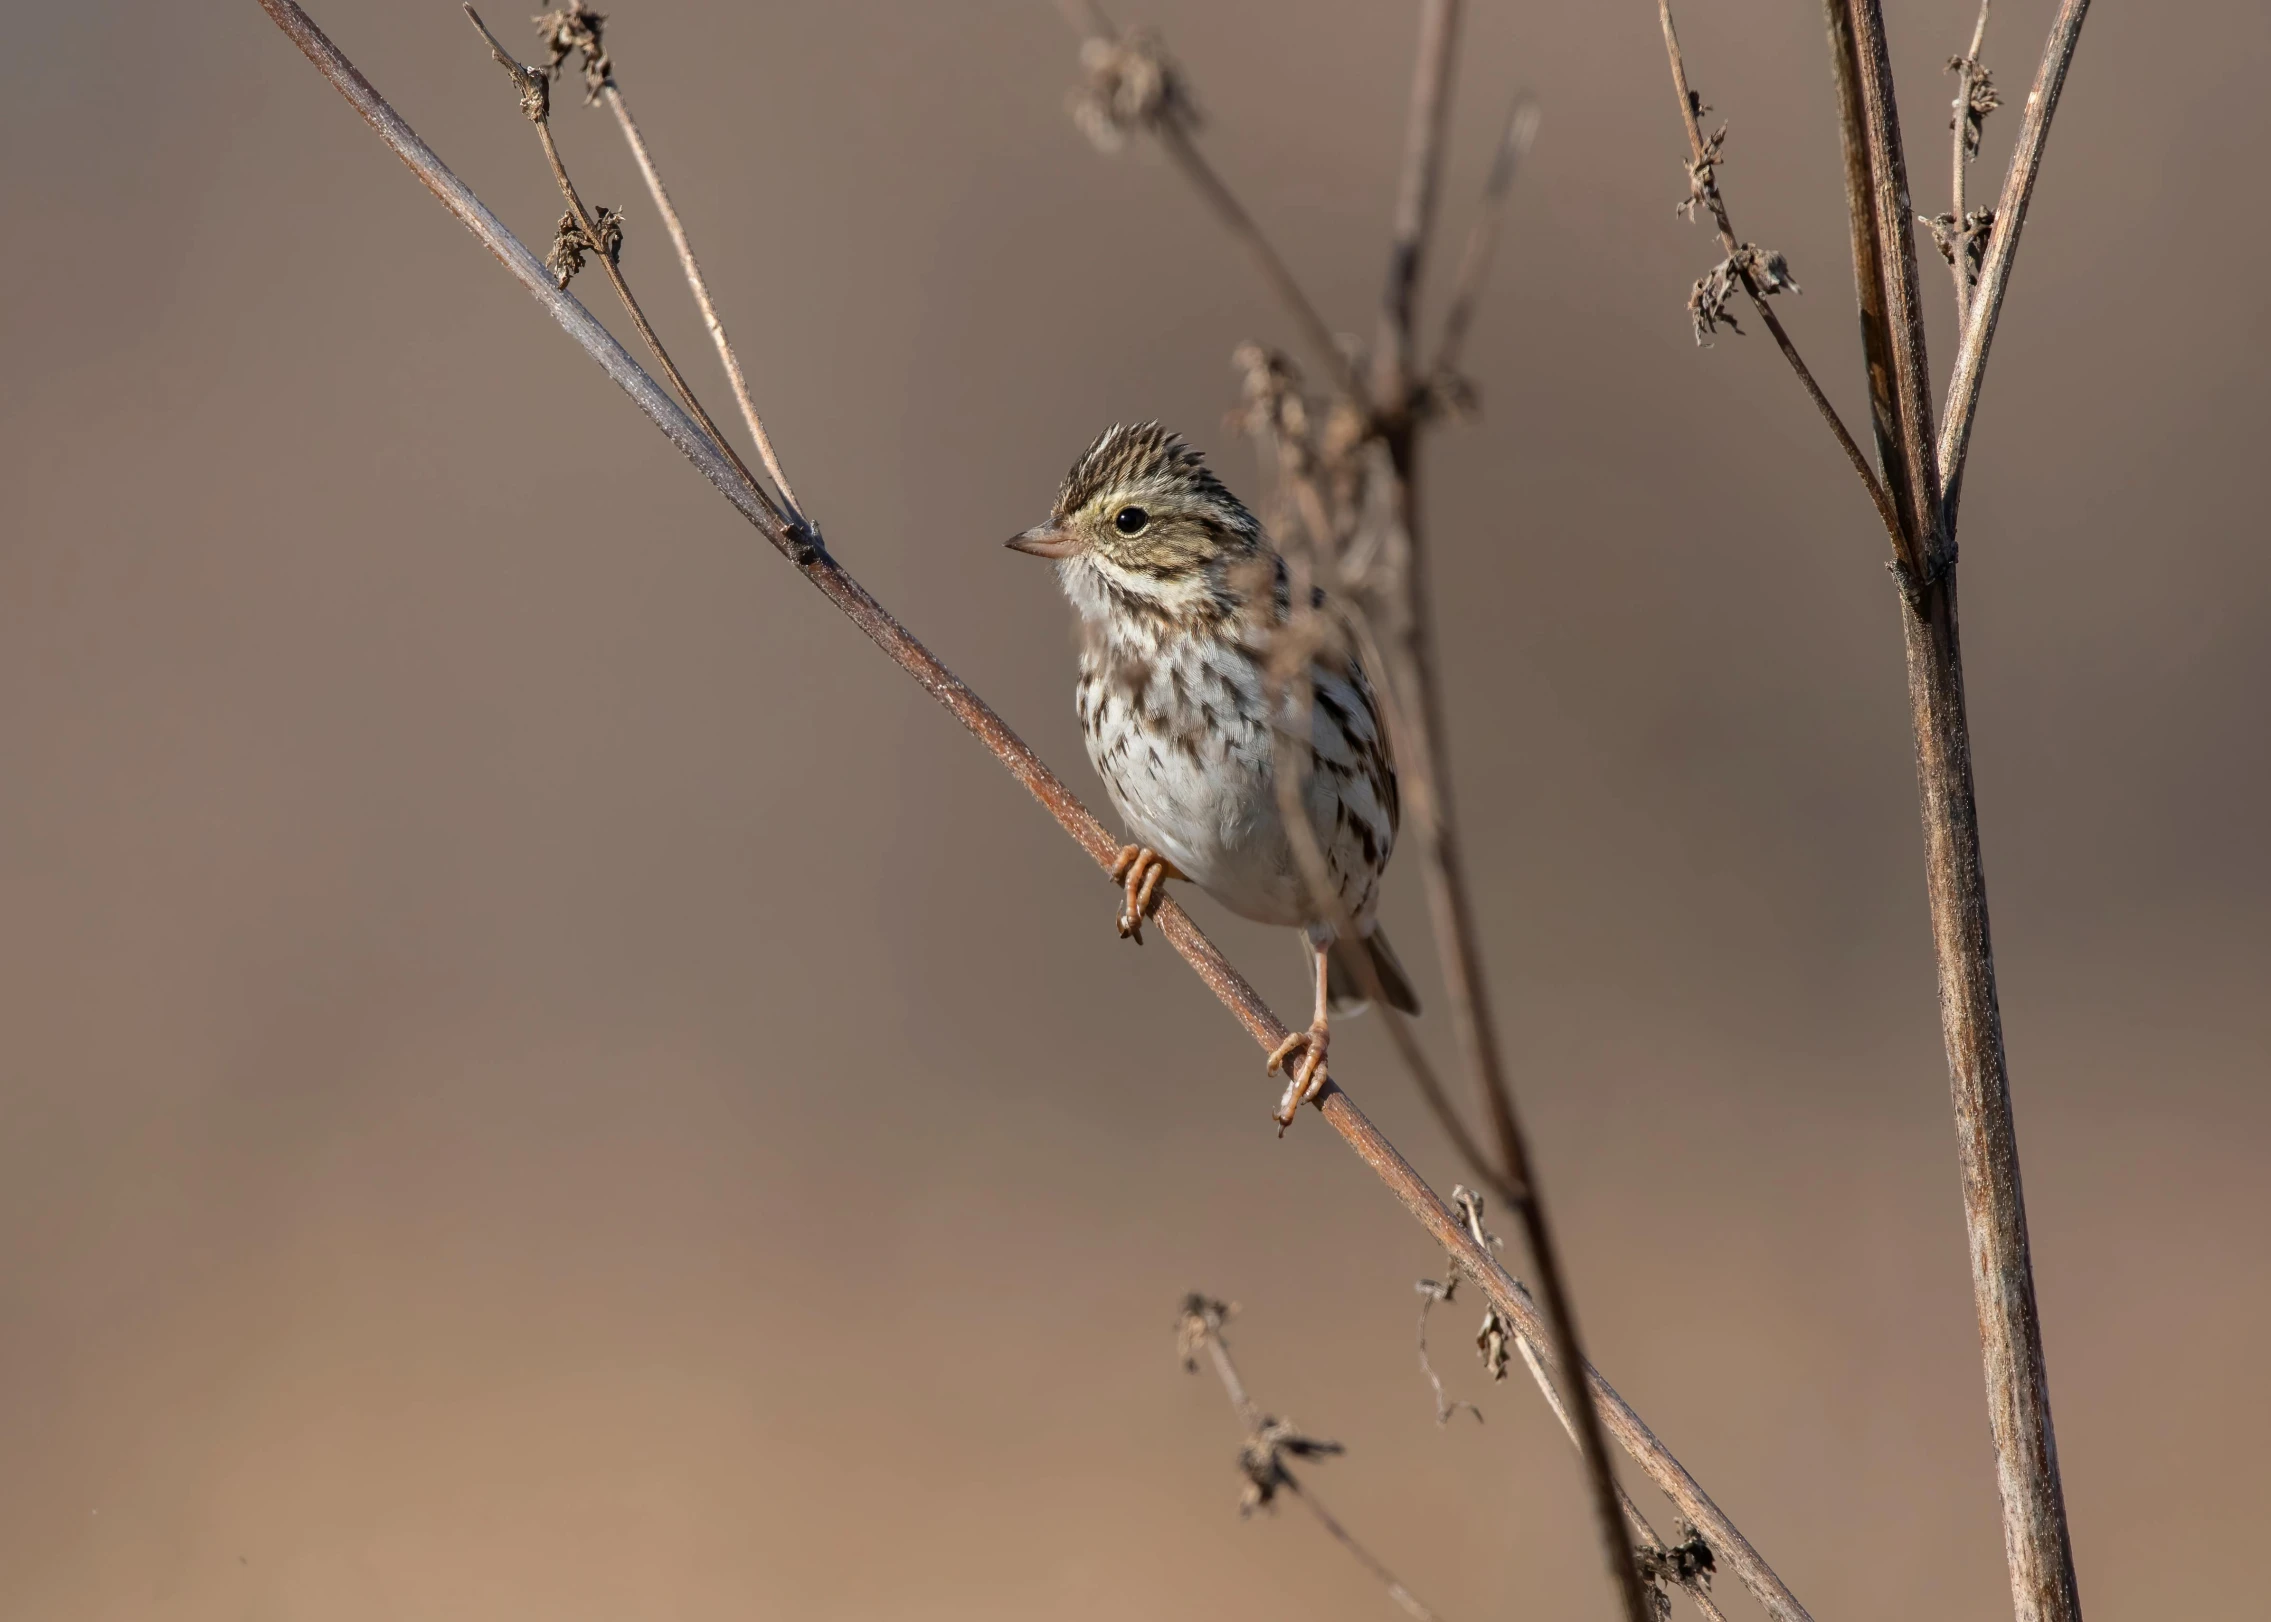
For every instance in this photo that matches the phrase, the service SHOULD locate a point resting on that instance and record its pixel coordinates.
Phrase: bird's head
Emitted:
(1142, 509)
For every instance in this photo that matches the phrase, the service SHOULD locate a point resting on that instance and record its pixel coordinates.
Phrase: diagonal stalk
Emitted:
(1418, 678)
(699, 285)
(2003, 250)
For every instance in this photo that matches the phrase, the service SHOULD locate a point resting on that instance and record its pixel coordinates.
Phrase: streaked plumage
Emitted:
(1179, 596)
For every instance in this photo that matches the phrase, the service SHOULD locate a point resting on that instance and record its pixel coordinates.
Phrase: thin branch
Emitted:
(1395, 351)
(1703, 166)
(1696, 1583)
(2002, 251)
(1269, 1441)
(701, 290)
(1458, 945)
(1482, 237)
(1206, 960)
(576, 29)
(1913, 473)
(1459, 940)
(1963, 147)
(535, 92)
(1179, 146)
(1432, 1295)
(1133, 85)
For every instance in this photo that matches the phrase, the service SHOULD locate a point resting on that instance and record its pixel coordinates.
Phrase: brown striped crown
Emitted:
(1145, 501)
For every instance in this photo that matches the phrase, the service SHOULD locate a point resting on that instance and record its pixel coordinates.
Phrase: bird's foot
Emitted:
(1139, 872)
(1301, 1058)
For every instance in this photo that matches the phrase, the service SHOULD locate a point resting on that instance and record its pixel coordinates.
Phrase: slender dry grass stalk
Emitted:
(802, 547)
(1757, 271)
(700, 288)
(1482, 237)
(591, 234)
(577, 30)
(1270, 1442)
(1922, 473)
(2003, 250)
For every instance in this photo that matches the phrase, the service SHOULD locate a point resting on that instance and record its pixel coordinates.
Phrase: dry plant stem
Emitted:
(1695, 1588)
(2035, 1537)
(1088, 19)
(1960, 159)
(2003, 249)
(1450, 893)
(1459, 947)
(1404, 1597)
(1732, 245)
(1482, 236)
(700, 287)
(1220, 977)
(522, 75)
(1515, 1305)
(1394, 356)
(1914, 474)
(1253, 1419)
(1274, 271)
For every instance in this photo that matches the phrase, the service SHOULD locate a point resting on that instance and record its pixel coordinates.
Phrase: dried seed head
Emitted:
(1760, 271)
(1688, 1563)
(1969, 239)
(535, 95)
(1131, 86)
(1703, 176)
(1262, 1461)
(1495, 1340)
(1974, 101)
(571, 243)
(1270, 398)
(1201, 1318)
(575, 27)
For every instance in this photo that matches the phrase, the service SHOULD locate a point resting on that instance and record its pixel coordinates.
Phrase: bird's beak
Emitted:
(1045, 541)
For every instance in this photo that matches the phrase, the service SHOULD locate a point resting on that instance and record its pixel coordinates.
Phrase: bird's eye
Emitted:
(1130, 520)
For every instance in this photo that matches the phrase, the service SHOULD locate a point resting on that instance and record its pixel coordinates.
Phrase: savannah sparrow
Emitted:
(1181, 598)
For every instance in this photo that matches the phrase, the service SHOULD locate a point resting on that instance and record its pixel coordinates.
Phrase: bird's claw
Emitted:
(1139, 870)
(1301, 1058)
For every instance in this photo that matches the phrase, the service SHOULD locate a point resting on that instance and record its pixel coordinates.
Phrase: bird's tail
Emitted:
(1344, 982)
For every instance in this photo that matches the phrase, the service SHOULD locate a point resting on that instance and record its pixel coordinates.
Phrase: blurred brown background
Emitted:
(543, 1079)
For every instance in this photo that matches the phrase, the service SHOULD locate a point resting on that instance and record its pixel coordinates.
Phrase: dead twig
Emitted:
(1482, 237)
(604, 241)
(1687, 1565)
(2003, 251)
(1435, 1293)
(829, 577)
(1427, 765)
(1961, 234)
(1744, 264)
(1270, 1442)
(576, 29)
(1133, 86)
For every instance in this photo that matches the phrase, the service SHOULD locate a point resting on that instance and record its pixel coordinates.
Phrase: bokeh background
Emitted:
(544, 1079)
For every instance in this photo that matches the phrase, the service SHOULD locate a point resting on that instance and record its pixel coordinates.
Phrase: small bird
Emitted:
(1182, 600)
